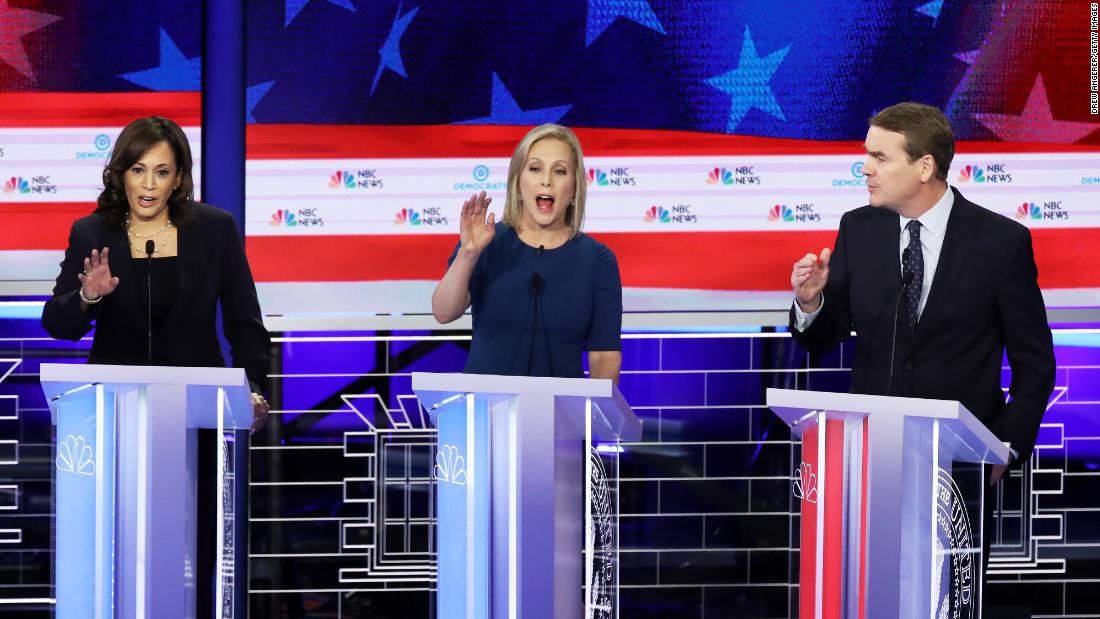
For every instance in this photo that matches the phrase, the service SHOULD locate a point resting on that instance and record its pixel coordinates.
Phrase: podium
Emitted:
(892, 492)
(527, 494)
(125, 518)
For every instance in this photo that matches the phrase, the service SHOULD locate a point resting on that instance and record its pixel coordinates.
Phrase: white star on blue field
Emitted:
(748, 84)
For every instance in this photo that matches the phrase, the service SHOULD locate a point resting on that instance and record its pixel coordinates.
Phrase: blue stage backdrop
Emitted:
(709, 522)
(360, 97)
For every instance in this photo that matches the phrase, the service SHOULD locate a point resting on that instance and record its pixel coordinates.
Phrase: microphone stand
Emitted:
(150, 247)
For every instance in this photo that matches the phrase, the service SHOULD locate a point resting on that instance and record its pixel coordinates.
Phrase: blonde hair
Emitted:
(513, 207)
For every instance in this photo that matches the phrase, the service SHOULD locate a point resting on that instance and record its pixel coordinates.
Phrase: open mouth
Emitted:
(147, 200)
(545, 202)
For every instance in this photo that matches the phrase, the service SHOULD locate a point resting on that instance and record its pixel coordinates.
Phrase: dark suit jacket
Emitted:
(984, 300)
(212, 269)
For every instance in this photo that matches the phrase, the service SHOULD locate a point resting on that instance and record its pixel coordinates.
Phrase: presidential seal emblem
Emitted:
(601, 534)
(955, 555)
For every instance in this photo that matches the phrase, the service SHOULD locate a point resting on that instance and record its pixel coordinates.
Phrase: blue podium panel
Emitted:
(84, 531)
(462, 472)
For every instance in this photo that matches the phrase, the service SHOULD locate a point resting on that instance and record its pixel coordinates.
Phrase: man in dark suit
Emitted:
(973, 293)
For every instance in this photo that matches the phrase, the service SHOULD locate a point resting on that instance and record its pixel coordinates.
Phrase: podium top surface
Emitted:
(512, 385)
(59, 378)
(432, 389)
(792, 406)
(200, 384)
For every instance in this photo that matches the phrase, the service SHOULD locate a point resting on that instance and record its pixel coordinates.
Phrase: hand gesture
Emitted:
(260, 408)
(808, 279)
(96, 279)
(477, 231)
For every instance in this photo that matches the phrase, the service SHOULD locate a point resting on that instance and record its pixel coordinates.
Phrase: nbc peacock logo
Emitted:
(17, 184)
(407, 216)
(1029, 210)
(657, 214)
(972, 173)
(781, 212)
(283, 217)
(342, 178)
(597, 177)
(720, 176)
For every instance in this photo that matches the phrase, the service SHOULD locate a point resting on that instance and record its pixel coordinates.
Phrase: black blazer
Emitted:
(984, 300)
(212, 269)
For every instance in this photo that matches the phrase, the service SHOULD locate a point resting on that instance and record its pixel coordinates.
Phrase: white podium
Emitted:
(527, 488)
(892, 492)
(126, 466)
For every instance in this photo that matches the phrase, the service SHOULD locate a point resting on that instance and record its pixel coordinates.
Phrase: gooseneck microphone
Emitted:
(906, 281)
(150, 247)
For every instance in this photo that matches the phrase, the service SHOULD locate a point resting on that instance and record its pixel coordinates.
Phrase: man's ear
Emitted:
(928, 168)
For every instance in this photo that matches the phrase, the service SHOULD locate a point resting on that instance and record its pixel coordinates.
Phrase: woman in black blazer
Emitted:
(197, 260)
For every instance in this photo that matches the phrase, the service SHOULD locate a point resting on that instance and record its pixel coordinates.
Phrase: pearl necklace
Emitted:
(166, 230)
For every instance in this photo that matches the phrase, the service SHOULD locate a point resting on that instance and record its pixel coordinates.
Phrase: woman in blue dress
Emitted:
(542, 292)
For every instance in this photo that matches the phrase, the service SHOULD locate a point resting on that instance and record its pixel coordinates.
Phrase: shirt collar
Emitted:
(934, 220)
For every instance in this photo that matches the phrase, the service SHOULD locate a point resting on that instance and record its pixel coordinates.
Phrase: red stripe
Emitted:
(698, 260)
(1063, 257)
(832, 582)
(83, 109)
(426, 141)
(807, 560)
(39, 225)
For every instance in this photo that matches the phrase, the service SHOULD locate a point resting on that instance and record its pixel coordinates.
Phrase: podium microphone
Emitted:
(906, 281)
(150, 247)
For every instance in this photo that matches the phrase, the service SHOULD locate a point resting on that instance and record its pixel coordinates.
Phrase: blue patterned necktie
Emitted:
(914, 263)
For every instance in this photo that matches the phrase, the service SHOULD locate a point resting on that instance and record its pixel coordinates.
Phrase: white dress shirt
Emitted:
(933, 224)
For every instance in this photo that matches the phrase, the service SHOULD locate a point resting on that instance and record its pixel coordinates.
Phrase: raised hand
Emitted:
(808, 279)
(477, 231)
(96, 280)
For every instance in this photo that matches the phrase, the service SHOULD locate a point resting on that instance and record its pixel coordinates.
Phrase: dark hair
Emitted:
(926, 132)
(134, 141)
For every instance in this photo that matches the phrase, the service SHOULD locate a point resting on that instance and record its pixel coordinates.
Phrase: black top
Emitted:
(164, 279)
(536, 311)
(211, 269)
(984, 302)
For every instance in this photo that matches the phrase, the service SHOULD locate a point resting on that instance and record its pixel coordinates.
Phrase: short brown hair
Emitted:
(926, 132)
(134, 141)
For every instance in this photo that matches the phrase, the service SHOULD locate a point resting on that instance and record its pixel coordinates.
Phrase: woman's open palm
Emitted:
(477, 231)
(96, 278)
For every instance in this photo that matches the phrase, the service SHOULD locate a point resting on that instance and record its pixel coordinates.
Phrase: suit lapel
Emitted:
(189, 261)
(885, 266)
(955, 253)
(122, 267)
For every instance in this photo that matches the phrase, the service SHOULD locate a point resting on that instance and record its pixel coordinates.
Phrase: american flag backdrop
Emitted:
(722, 139)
